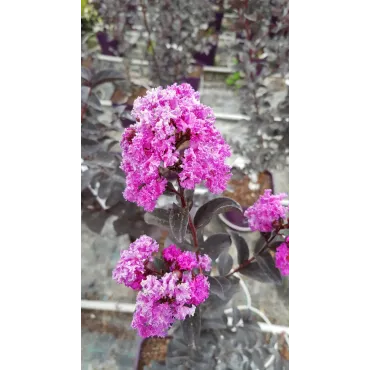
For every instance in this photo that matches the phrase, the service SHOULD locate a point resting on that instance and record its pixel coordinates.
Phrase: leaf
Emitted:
(95, 221)
(107, 75)
(259, 245)
(89, 147)
(257, 359)
(169, 189)
(104, 159)
(85, 91)
(115, 195)
(213, 324)
(159, 217)
(178, 220)
(85, 74)
(267, 264)
(189, 194)
(254, 271)
(225, 263)
(191, 329)
(215, 245)
(219, 286)
(214, 207)
(94, 102)
(241, 246)
(275, 244)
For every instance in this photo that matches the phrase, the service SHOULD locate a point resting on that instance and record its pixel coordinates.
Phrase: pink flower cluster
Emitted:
(174, 131)
(164, 300)
(282, 257)
(265, 211)
(130, 268)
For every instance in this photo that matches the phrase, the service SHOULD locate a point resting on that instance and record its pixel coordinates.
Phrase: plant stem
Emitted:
(246, 263)
(191, 224)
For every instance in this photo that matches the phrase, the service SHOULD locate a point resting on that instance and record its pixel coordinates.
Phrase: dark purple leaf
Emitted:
(178, 220)
(214, 207)
(219, 286)
(86, 74)
(107, 75)
(191, 329)
(241, 246)
(225, 263)
(159, 217)
(215, 245)
(267, 264)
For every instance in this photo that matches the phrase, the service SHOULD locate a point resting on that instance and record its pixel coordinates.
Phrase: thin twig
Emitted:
(246, 263)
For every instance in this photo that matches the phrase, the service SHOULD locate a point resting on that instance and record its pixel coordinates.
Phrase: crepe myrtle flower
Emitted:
(186, 261)
(282, 258)
(164, 300)
(265, 211)
(131, 267)
(173, 132)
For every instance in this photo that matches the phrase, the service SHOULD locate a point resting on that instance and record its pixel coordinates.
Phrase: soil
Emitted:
(153, 349)
(242, 192)
(107, 323)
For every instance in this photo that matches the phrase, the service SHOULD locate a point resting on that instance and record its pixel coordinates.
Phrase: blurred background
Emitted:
(236, 54)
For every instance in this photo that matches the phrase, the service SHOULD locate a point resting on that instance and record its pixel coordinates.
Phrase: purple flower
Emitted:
(174, 130)
(282, 258)
(183, 311)
(160, 303)
(199, 289)
(205, 262)
(171, 253)
(130, 269)
(265, 211)
(187, 261)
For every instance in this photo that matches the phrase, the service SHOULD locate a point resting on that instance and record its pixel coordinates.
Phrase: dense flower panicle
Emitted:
(265, 211)
(174, 130)
(282, 258)
(160, 303)
(130, 269)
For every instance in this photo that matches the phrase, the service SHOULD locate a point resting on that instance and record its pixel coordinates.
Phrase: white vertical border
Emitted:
(40, 185)
(328, 195)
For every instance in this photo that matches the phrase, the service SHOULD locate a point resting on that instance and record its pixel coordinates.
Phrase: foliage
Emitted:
(215, 337)
(102, 182)
(262, 50)
(168, 32)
